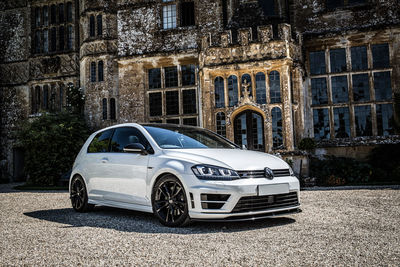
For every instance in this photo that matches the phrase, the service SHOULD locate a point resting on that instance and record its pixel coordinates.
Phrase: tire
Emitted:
(79, 196)
(169, 202)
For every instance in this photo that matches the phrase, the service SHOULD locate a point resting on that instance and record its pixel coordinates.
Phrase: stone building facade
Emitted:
(263, 73)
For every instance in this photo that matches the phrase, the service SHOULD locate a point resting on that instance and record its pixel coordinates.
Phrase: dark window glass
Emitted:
(169, 16)
(37, 99)
(339, 89)
(363, 122)
(384, 119)
(154, 78)
(338, 60)
(91, 26)
(188, 75)
(53, 39)
(104, 108)
(171, 77)
(233, 90)
(277, 136)
(172, 102)
(274, 87)
(69, 37)
(268, 7)
(382, 85)
(37, 17)
(53, 14)
(100, 142)
(45, 41)
(189, 101)
(221, 124)
(155, 104)
(99, 25)
(127, 135)
(317, 62)
(37, 42)
(224, 12)
(61, 37)
(319, 91)
(321, 123)
(380, 56)
(46, 16)
(219, 92)
(101, 71)
(69, 12)
(261, 94)
(45, 104)
(257, 132)
(190, 121)
(93, 72)
(341, 122)
(61, 13)
(359, 59)
(355, 2)
(112, 109)
(173, 121)
(61, 100)
(246, 79)
(331, 4)
(187, 14)
(360, 87)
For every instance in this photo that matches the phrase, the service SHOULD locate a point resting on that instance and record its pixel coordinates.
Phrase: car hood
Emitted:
(236, 159)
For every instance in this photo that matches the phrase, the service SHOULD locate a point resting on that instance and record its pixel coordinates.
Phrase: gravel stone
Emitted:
(339, 227)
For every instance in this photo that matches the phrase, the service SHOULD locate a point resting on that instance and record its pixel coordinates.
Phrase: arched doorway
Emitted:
(249, 130)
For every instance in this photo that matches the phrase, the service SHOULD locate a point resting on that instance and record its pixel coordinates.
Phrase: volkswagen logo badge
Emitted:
(268, 173)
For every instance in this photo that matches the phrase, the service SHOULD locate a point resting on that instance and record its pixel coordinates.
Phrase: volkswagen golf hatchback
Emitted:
(180, 173)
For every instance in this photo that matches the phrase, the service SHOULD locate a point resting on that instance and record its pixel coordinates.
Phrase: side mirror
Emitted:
(135, 148)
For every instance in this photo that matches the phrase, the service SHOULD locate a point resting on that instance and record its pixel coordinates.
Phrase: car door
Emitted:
(127, 171)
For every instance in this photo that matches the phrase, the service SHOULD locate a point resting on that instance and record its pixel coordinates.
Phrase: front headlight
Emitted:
(209, 172)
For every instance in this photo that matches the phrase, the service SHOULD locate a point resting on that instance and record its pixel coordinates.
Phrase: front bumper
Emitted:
(242, 188)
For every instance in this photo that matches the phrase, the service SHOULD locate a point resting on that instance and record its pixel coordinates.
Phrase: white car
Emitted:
(180, 173)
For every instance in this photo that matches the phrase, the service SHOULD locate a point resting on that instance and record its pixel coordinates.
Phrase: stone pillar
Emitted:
(287, 122)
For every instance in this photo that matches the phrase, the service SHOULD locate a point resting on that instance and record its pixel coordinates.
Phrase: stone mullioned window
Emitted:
(177, 14)
(48, 97)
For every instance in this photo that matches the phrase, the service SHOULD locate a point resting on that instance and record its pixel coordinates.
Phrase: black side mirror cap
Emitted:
(135, 148)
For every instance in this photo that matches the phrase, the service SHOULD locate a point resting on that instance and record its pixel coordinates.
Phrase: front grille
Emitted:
(260, 173)
(255, 203)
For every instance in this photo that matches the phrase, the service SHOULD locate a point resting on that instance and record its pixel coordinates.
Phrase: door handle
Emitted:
(104, 160)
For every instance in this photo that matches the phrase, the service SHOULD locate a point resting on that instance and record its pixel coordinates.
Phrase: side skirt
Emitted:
(121, 205)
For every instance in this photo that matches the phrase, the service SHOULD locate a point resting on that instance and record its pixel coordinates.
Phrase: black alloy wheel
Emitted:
(78, 195)
(169, 202)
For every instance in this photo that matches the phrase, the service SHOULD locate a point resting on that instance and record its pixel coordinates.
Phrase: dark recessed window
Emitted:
(104, 104)
(221, 124)
(101, 71)
(219, 92)
(154, 78)
(359, 59)
(69, 37)
(37, 17)
(93, 71)
(53, 14)
(232, 90)
(268, 7)
(319, 91)
(171, 77)
(188, 75)
(187, 14)
(69, 12)
(261, 94)
(61, 100)
(172, 102)
(91, 26)
(189, 101)
(382, 85)
(338, 60)
(360, 87)
(46, 16)
(362, 115)
(173, 121)
(380, 56)
(277, 136)
(37, 99)
(224, 12)
(246, 79)
(99, 25)
(53, 39)
(155, 104)
(321, 123)
(341, 122)
(45, 104)
(45, 41)
(37, 42)
(112, 109)
(317, 62)
(61, 33)
(190, 121)
(61, 13)
(274, 87)
(339, 89)
(384, 119)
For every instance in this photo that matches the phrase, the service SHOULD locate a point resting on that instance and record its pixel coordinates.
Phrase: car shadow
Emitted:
(140, 222)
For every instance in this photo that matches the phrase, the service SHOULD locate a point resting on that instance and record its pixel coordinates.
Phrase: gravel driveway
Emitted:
(340, 227)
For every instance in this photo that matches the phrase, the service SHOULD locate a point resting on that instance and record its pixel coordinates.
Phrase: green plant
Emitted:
(307, 144)
(75, 99)
(51, 143)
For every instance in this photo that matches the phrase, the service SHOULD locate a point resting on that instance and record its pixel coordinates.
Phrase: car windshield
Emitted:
(176, 137)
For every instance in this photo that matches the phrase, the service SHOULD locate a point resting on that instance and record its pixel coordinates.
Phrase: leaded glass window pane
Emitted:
(384, 119)
(188, 75)
(261, 94)
(362, 115)
(189, 101)
(112, 109)
(277, 136)
(154, 78)
(221, 124)
(341, 122)
(104, 108)
(93, 71)
(338, 60)
(155, 104)
(172, 102)
(380, 56)
(274, 87)
(319, 91)
(339, 89)
(171, 77)
(190, 121)
(321, 123)
(359, 59)
(169, 17)
(317, 62)
(382, 85)
(219, 92)
(232, 90)
(360, 87)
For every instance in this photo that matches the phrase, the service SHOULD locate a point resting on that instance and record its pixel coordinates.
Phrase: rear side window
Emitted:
(100, 142)
(127, 135)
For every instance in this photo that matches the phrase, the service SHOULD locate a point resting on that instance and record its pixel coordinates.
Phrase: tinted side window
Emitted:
(127, 135)
(100, 142)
